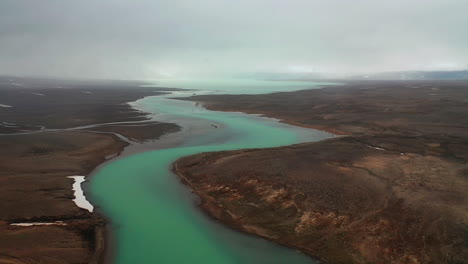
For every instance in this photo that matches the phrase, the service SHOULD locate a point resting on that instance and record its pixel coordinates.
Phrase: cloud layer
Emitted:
(153, 38)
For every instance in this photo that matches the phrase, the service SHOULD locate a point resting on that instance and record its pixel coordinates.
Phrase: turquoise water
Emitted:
(154, 217)
(239, 86)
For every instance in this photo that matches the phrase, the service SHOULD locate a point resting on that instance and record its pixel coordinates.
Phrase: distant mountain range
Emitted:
(415, 75)
(30, 82)
(398, 75)
(281, 75)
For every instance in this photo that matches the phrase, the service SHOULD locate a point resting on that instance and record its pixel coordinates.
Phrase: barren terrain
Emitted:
(38, 151)
(394, 190)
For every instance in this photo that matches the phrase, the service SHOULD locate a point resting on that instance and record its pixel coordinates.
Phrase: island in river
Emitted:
(393, 190)
(50, 130)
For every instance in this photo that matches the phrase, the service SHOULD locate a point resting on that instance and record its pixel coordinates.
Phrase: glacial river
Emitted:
(154, 217)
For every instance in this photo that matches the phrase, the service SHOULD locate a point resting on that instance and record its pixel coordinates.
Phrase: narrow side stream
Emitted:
(154, 217)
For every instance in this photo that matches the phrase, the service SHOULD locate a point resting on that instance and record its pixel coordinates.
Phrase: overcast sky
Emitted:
(145, 39)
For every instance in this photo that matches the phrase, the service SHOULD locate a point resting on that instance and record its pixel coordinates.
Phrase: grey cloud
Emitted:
(150, 38)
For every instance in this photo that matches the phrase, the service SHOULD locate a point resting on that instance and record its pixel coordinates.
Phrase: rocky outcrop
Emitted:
(342, 200)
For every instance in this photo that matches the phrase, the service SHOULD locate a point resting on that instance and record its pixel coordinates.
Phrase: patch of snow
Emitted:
(6, 124)
(4, 105)
(376, 148)
(80, 198)
(86, 92)
(61, 223)
(37, 94)
(111, 156)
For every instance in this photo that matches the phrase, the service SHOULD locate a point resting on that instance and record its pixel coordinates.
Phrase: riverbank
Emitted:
(36, 189)
(141, 233)
(49, 134)
(394, 191)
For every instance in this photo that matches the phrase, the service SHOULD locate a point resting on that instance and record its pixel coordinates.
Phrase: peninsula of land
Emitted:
(394, 189)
